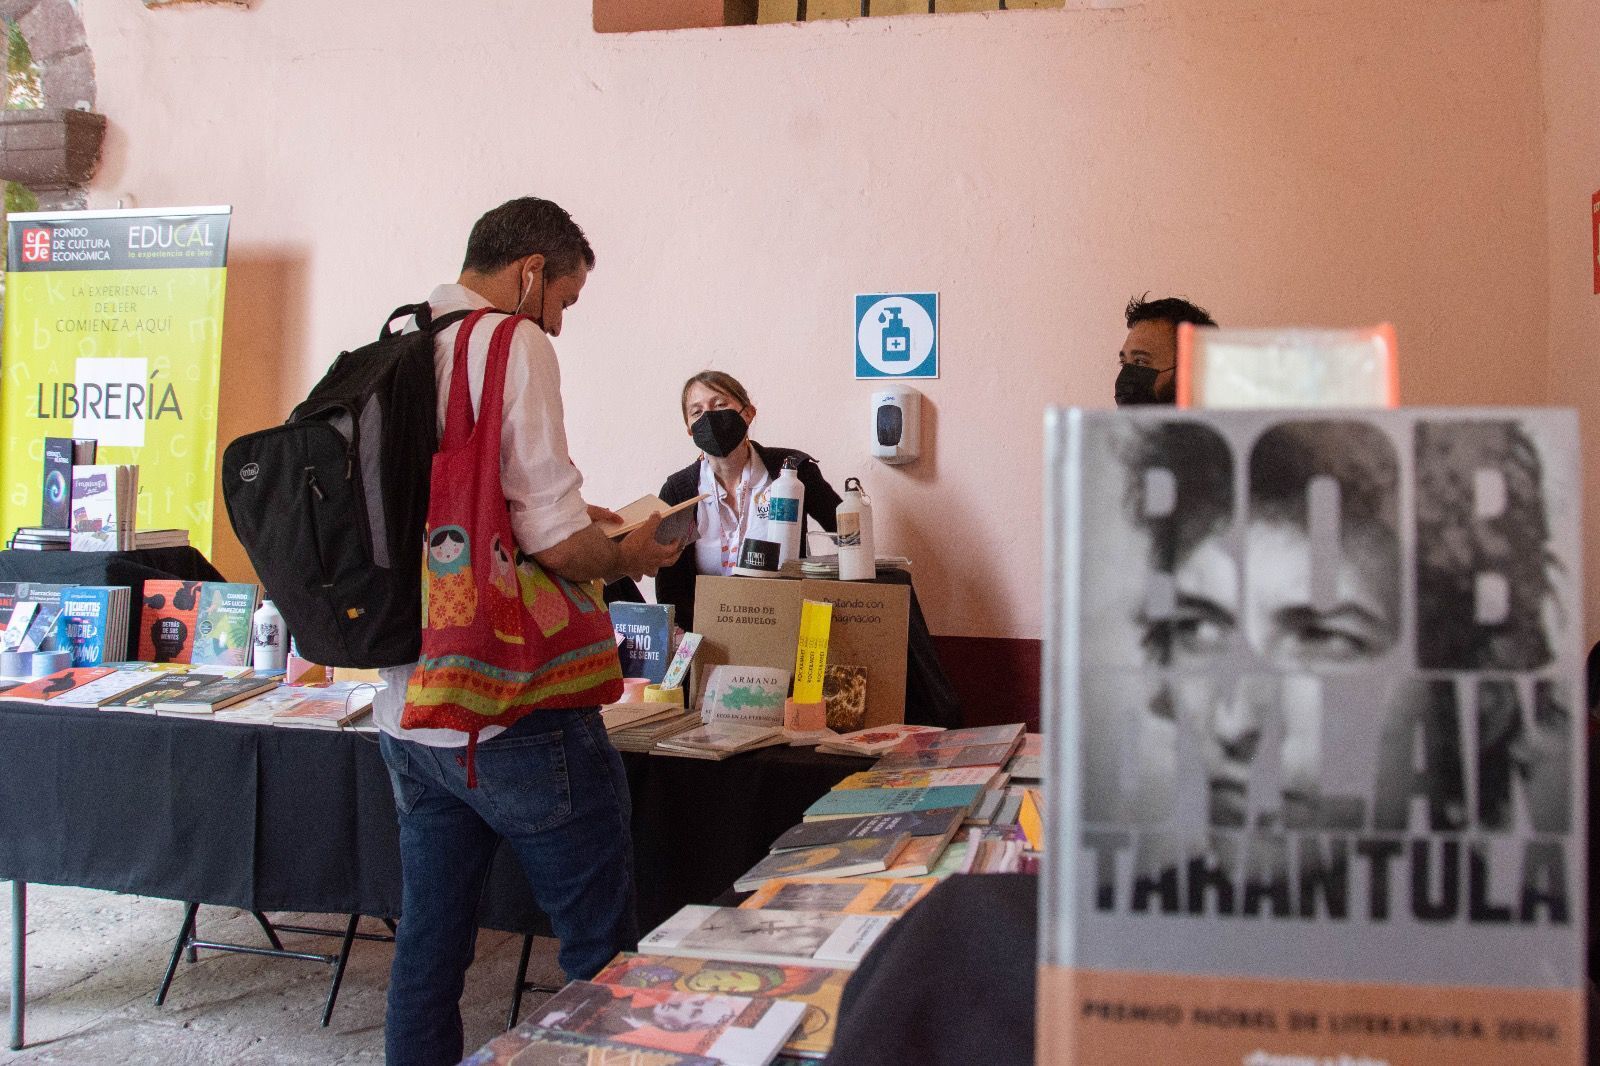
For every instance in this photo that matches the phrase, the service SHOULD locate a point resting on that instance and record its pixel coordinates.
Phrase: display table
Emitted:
(266, 818)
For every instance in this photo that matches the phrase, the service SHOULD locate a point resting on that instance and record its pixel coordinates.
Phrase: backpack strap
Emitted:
(424, 318)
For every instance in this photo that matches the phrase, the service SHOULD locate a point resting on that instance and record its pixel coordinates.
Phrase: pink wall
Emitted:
(1306, 161)
(1572, 116)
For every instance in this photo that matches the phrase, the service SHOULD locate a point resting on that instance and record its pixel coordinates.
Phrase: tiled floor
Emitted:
(95, 960)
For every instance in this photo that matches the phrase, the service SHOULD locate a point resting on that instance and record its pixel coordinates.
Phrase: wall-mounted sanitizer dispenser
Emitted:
(896, 424)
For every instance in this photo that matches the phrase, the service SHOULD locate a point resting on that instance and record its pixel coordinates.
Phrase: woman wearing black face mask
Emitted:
(734, 472)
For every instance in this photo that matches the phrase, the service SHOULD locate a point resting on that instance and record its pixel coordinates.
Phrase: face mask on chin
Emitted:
(1136, 385)
(718, 433)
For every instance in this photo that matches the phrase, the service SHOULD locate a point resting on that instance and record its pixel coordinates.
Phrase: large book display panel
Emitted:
(1314, 724)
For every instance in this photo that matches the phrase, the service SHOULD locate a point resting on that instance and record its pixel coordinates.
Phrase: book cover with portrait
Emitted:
(1313, 726)
(819, 988)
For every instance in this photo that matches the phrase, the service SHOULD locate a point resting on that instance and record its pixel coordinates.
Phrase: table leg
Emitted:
(19, 959)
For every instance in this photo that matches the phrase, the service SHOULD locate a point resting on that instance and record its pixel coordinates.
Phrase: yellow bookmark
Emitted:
(811, 654)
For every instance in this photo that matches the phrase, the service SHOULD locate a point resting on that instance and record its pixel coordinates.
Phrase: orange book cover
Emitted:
(167, 613)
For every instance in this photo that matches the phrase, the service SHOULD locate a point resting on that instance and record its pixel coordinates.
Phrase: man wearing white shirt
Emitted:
(551, 785)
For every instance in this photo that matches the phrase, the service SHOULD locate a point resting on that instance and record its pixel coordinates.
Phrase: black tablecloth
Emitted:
(951, 983)
(275, 819)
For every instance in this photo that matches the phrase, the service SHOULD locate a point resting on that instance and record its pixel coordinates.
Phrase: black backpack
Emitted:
(331, 506)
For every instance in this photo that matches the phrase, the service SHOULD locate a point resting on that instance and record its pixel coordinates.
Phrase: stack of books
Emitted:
(161, 538)
(40, 539)
(97, 622)
(827, 566)
(644, 736)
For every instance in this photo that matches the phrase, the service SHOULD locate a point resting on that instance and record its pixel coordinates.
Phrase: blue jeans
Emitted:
(551, 785)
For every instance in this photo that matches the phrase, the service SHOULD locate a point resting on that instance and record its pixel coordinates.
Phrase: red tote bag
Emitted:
(501, 637)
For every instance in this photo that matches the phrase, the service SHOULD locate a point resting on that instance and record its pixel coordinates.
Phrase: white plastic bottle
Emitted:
(268, 641)
(857, 552)
(786, 503)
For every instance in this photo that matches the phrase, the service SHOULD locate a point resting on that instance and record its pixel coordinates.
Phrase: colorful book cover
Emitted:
(857, 801)
(167, 621)
(994, 755)
(819, 988)
(682, 656)
(45, 632)
(1314, 725)
(261, 708)
(863, 855)
(844, 697)
(325, 708)
(874, 741)
(856, 895)
(103, 507)
(920, 856)
(169, 686)
(962, 738)
(22, 615)
(55, 511)
(783, 937)
(57, 684)
(222, 624)
(93, 623)
(217, 695)
(645, 630)
(938, 822)
(745, 695)
(105, 689)
(982, 776)
(731, 1029)
(14, 592)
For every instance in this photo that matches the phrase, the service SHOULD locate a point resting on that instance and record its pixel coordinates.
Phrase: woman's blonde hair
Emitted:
(716, 381)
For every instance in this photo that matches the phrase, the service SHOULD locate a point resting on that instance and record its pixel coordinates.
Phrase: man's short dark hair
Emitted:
(1172, 309)
(528, 226)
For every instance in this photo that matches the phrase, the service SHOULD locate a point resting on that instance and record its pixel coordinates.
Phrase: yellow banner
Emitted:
(113, 331)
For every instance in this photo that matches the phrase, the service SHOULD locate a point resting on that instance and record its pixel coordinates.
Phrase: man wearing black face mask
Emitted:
(1149, 357)
(734, 473)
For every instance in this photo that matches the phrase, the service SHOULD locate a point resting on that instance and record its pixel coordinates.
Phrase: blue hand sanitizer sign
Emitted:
(897, 335)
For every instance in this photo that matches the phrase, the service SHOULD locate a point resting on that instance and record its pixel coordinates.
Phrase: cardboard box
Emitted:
(769, 11)
(756, 622)
(943, 6)
(624, 16)
(832, 9)
(897, 7)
